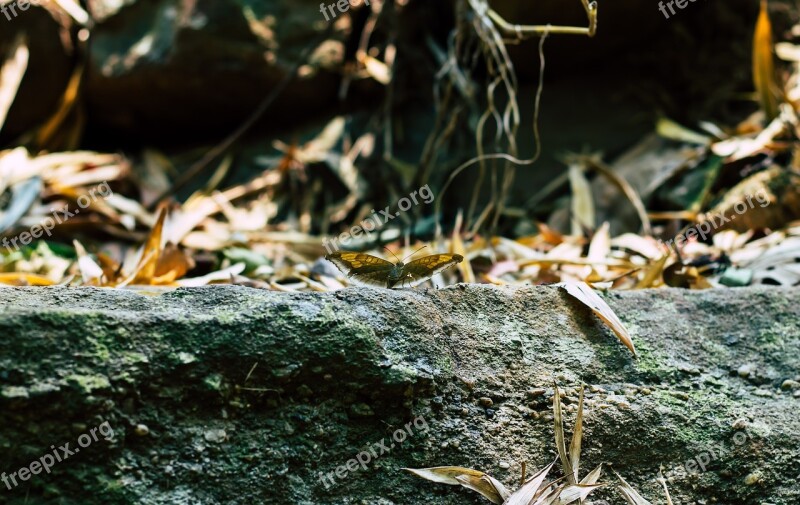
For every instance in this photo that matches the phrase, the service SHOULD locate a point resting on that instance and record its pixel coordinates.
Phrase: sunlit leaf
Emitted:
(763, 64)
(588, 297)
(11, 74)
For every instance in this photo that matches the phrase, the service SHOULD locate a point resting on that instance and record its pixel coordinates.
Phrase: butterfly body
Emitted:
(373, 271)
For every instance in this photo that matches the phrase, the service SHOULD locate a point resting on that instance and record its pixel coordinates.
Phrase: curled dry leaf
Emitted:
(487, 486)
(444, 474)
(585, 294)
(630, 494)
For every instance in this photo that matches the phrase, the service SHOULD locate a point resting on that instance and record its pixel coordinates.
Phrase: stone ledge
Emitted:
(196, 423)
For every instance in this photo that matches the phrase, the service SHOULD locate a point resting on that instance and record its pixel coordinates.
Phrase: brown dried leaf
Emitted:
(151, 252)
(576, 492)
(24, 279)
(577, 437)
(486, 486)
(582, 203)
(91, 273)
(630, 494)
(11, 74)
(588, 297)
(528, 491)
(593, 476)
(763, 64)
(444, 474)
(558, 421)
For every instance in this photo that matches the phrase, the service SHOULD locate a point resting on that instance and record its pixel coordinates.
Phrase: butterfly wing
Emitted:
(424, 268)
(362, 268)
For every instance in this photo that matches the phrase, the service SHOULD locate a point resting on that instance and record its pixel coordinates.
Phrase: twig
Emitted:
(522, 32)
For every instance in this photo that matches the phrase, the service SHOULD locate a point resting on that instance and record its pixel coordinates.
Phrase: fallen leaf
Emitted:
(588, 297)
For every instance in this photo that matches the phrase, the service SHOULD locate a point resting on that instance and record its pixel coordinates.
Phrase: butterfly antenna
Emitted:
(415, 252)
(393, 254)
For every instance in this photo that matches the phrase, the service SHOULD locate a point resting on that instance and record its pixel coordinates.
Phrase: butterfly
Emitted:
(373, 271)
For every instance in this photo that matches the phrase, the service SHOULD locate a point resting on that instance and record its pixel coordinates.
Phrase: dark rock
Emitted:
(88, 345)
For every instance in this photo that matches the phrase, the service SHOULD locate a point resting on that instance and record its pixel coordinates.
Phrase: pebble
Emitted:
(141, 430)
(504, 465)
(790, 385)
(486, 401)
(215, 436)
(753, 478)
(745, 371)
(535, 393)
(740, 424)
(361, 410)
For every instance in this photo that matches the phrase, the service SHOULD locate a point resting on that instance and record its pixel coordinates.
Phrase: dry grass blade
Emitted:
(630, 494)
(576, 492)
(558, 421)
(673, 131)
(763, 64)
(91, 273)
(588, 297)
(653, 273)
(528, 491)
(75, 11)
(11, 74)
(663, 482)
(24, 279)
(582, 204)
(549, 498)
(457, 247)
(151, 252)
(488, 487)
(445, 474)
(593, 476)
(577, 437)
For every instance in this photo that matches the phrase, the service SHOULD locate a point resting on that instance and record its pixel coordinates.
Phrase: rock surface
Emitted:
(237, 396)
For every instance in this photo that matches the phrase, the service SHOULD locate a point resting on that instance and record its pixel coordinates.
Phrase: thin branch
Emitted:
(522, 32)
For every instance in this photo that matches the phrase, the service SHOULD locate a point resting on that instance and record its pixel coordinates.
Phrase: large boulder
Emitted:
(230, 395)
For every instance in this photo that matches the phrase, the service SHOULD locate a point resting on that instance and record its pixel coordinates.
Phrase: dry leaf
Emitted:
(582, 204)
(91, 273)
(588, 297)
(577, 437)
(526, 494)
(558, 421)
(444, 474)
(763, 64)
(630, 494)
(486, 486)
(11, 74)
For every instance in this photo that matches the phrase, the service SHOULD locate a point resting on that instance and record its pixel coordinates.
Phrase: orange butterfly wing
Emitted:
(424, 268)
(362, 268)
